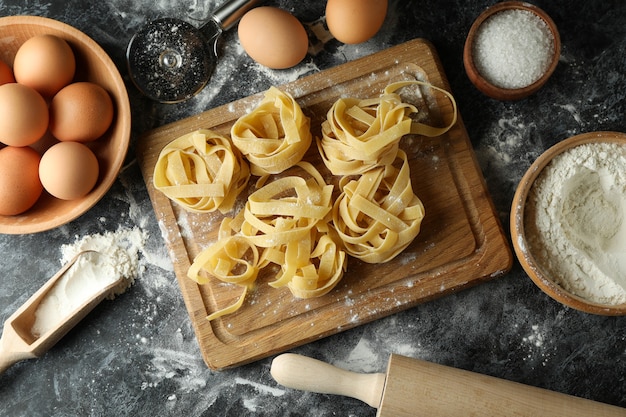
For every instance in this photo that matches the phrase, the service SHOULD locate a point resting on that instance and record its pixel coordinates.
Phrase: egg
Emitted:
(23, 115)
(68, 170)
(6, 73)
(45, 63)
(273, 37)
(20, 186)
(355, 21)
(80, 112)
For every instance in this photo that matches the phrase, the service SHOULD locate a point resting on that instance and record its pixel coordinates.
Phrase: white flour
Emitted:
(87, 277)
(115, 259)
(122, 248)
(576, 221)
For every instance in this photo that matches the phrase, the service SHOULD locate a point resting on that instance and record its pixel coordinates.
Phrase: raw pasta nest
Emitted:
(377, 215)
(286, 221)
(359, 135)
(201, 171)
(275, 135)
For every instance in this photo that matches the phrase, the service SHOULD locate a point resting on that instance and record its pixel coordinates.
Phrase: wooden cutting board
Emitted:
(461, 242)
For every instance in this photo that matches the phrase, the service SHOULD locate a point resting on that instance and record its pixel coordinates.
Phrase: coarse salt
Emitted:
(513, 48)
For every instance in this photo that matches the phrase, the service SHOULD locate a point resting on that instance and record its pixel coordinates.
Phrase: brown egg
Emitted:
(45, 63)
(80, 112)
(23, 115)
(20, 187)
(355, 21)
(68, 170)
(6, 74)
(273, 37)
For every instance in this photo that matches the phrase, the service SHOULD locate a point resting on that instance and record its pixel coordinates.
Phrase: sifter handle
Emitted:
(228, 14)
(308, 374)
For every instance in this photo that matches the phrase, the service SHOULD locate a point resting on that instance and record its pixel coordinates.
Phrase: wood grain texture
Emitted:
(418, 388)
(461, 242)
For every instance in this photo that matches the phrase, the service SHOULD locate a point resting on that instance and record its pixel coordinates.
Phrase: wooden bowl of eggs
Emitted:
(511, 50)
(64, 124)
(568, 222)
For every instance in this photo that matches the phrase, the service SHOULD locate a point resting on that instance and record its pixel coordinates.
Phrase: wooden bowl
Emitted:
(523, 249)
(485, 85)
(94, 65)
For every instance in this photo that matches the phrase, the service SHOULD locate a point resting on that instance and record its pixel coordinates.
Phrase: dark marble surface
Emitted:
(137, 355)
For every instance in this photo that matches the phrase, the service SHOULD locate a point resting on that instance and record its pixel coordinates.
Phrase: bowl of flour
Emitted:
(568, 222)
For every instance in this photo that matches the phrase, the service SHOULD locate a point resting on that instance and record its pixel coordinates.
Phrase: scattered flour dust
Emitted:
(364, 358)
(255, 402)
(122, 247)
(535, 343)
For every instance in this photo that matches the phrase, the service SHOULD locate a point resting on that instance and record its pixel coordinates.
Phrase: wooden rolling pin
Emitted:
(413, 387)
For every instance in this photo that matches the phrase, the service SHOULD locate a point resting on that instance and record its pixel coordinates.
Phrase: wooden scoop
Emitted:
(412, 387)
(18, 342)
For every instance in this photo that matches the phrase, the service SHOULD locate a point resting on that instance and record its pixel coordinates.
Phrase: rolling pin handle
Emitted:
(308, 374)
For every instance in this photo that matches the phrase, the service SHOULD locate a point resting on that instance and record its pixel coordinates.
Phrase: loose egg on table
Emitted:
(355, 21)
(273, 37)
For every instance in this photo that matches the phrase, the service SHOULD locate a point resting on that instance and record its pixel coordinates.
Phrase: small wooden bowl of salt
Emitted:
(568, 222)
(511, 50)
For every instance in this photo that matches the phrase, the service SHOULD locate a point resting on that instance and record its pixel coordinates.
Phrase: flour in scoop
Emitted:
(576, 221)
(115, 257)
(122, 247)
(89, 275)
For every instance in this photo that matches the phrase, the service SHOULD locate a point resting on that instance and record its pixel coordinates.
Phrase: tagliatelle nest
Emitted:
(377, 215)
(359, 135)
(202, 172)
(275, 135)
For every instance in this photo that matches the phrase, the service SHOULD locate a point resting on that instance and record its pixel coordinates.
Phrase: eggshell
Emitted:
(23, 115)
(20, 186)
(80, 112)
(355, 21)
(6, 74)
(273, 37)
(45, 63)
(68, 170)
